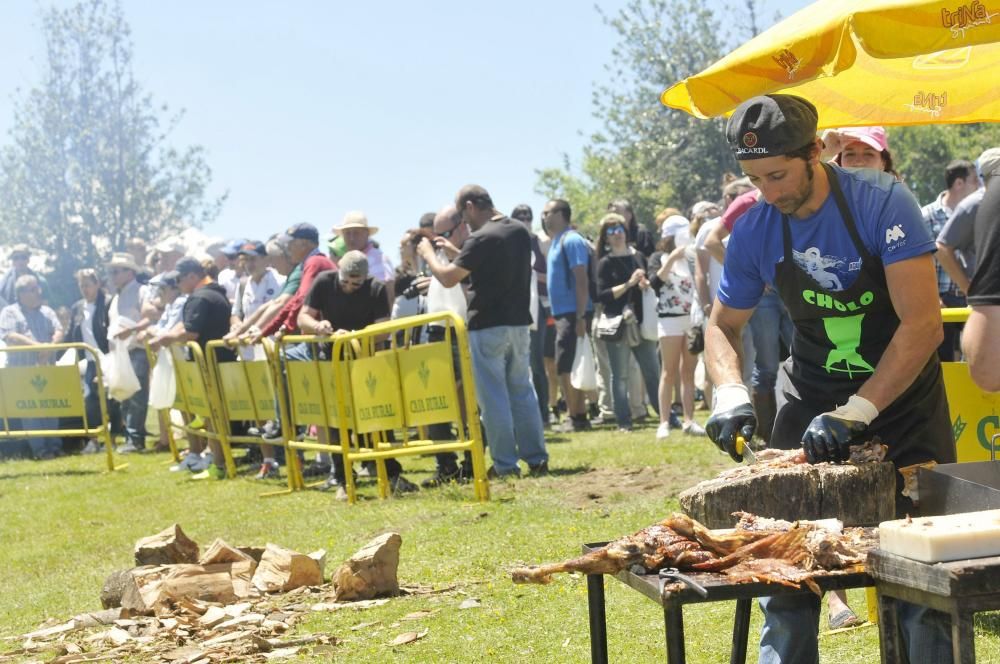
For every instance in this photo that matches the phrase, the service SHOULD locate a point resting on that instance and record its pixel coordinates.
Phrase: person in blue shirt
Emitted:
(568, 279)
(850, 257)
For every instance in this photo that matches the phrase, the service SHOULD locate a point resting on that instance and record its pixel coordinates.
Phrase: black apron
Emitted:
(839, 339)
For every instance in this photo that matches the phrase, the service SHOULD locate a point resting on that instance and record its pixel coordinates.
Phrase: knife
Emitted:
(746, 450)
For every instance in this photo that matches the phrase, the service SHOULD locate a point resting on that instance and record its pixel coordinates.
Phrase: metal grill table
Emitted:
(960, 589)
(674, 595)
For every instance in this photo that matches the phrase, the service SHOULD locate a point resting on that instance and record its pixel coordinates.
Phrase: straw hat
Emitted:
(355, 219)
(125, 261)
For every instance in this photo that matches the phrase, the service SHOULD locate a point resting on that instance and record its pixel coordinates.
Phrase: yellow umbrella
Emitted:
(865, 62)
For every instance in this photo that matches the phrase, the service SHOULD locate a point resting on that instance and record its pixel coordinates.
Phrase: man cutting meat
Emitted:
(863, 359)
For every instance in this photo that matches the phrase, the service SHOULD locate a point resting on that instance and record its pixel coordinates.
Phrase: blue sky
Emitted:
(308, 110)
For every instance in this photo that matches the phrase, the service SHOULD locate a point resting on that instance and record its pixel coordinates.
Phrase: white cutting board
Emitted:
(942, 538)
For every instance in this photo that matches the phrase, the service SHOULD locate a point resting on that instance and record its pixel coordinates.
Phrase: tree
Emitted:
(921, 152)
(88, 165)
(652, 155)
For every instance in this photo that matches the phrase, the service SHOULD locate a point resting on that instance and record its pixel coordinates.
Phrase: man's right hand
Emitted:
(732, 417)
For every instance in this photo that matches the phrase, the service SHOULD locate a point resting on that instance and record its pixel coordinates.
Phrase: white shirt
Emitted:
(229, 280)
(379, 265)
(256, 295)
(87, 326)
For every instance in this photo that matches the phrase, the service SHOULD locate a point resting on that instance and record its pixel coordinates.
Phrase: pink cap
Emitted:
(871, 136)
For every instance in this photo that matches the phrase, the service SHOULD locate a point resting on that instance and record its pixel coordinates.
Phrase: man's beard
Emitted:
(790, 204)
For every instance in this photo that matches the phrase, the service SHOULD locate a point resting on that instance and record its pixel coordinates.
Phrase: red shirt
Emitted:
(738, 207)
(289, 314)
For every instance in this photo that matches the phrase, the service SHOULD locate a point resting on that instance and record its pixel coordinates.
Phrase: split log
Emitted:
(169, 547)
(144, 590)
(858, 495)
(371, 571)
(220, 552)
(281, 570)
(121, 588)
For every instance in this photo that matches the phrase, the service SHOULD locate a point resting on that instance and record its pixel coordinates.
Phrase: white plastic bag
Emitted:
(162, 388)
(67, 359)
(649, 315)
(583, 376)
(118, 372)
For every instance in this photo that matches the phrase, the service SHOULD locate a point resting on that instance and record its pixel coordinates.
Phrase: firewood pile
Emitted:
(228, 604)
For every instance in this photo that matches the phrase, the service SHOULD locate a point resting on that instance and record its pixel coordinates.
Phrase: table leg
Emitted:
(888, 631)
(673, 621)
(963, 639)
(598, 622)
(741, 632)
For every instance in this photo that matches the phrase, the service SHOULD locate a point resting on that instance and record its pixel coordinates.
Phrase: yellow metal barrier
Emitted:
(198, 398)
(50, 391)
(246, 394)
(955, 314)
(367, 392)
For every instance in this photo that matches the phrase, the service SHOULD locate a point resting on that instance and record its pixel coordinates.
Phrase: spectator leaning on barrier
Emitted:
(262, 285)
(340, 302)
(125, 316)
(568, 279)
(205, 318)
(497, 260)
(227, 260)
(89, 325)
(960, 181)
(20, 254)
(26, 323)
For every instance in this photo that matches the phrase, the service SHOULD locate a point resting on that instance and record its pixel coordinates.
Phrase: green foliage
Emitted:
(88, 164)
(922, 152)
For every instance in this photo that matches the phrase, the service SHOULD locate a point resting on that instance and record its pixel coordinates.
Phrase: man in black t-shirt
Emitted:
(339, 302)
(205, 318)
(979, 340)
(497, 260)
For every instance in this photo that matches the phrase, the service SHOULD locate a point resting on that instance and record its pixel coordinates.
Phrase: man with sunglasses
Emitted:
(568, 272)
(496, 258)
(343, 301)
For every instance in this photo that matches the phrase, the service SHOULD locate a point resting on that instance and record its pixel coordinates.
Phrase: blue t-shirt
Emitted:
(561, 284)
(888, 220)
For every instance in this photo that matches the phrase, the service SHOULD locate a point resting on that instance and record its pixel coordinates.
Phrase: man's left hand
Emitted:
(829, 436)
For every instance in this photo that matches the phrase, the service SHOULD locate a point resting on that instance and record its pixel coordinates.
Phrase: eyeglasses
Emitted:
(448, 233)
(615, 230)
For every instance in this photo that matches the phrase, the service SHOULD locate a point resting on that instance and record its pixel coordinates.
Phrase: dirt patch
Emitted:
(603, 486)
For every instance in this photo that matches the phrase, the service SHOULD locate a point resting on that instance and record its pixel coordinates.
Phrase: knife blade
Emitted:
(746, 450)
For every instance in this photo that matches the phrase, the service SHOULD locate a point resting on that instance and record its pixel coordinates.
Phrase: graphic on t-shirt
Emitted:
(845, 334)
(827, 271)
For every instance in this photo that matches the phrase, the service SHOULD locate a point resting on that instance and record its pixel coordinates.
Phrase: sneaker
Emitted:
(127, 448)
(693, 429)
(554, 415)
(366, 471)
(268, 471)
(400, 484)
(575, 424)
(624, 429)
(330, 484)
(663, 431)
(92, 447)
(492, 474)
(538, 470)
(316, 469)
(675, 421)
(441, 477)
(213, 472)
(340, 494)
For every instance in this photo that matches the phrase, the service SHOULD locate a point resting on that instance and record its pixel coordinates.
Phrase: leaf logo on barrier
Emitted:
(305, 384)
(371, 383)
(424, 373)
(39, 383)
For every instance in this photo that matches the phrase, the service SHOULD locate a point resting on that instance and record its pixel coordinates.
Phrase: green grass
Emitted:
(66, 525)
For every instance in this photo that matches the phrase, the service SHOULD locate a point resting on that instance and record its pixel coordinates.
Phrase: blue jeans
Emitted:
(506, 397)
(769, 323)
(791, 624)
(648, 358)
(134, 408)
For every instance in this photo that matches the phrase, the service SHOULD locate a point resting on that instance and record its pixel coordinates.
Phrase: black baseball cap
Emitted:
(303, 232)
(771, 125)
(253, 248)
(166, 279)
(188, 265)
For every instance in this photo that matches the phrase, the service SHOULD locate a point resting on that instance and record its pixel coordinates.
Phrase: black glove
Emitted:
(724, 427)
(829, 438)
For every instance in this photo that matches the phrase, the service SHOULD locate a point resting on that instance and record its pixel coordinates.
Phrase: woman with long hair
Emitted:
(621, 279)
(670, 276)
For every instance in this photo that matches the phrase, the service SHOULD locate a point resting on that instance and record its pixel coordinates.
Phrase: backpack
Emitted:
(591, 265)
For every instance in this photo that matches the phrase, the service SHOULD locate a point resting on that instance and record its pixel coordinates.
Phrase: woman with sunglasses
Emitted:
(621, 278)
